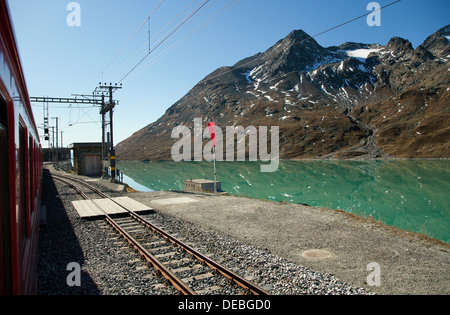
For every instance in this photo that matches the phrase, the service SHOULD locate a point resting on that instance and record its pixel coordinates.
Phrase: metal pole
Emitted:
(103, 137)
(215, 175)
(53, 144)
(113, 154)
(57, 131)
(57, 144)
(111, 114)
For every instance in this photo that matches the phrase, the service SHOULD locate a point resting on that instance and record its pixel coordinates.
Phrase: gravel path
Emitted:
(108, 269)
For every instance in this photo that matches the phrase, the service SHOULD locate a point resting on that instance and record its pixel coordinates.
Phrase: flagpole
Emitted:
(215, 177)
(212, 131)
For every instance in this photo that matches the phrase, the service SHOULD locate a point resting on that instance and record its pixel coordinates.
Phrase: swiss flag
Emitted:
(212, 131)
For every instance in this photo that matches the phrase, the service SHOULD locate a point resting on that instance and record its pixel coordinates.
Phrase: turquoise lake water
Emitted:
(413, 195)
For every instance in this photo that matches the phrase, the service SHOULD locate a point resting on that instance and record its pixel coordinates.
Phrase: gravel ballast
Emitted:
(108, 267)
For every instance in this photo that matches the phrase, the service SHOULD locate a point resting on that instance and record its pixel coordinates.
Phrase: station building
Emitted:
(87, 158)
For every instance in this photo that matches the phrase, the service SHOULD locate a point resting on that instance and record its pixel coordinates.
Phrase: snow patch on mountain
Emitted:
(361, 53)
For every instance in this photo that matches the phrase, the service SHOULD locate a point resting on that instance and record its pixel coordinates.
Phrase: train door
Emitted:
(5, 240)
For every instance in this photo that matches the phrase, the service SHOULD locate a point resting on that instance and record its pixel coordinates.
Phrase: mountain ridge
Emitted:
(355, 100)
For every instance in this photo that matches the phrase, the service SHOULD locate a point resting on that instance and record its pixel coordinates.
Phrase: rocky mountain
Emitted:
(352, 101)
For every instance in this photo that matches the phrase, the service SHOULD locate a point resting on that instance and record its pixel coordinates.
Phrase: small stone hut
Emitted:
(87, 158)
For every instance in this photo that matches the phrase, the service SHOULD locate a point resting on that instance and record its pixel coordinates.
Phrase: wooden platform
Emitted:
(90, 208)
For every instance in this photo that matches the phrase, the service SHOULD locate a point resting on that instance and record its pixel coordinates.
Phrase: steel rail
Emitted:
(166, 273)
(248, 286)
(242, 282)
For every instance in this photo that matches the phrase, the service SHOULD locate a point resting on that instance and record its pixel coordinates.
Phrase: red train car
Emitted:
(20, 171)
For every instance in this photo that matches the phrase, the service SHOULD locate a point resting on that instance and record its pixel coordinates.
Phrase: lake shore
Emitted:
(409, 194)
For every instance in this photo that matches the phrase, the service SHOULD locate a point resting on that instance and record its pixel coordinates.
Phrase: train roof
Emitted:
(8, 39)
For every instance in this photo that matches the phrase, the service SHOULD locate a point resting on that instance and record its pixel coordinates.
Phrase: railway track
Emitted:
(187, 270)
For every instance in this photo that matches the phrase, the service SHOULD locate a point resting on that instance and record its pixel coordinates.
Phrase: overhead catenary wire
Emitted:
(166, 38)
(218, 14)
(143, 52)
(131, 38)
(255, 60)
(138, 54)
(302, 41)
(81, 117)
(149, 52)
(297, 43)
(355, 19)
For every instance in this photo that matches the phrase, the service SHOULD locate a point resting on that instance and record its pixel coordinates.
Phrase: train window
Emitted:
(5, 247)
(2, 112)
(22, 215)
(31, 172)
(35, 175)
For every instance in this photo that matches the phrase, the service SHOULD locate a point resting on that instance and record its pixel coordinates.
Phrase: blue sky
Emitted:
(60, 60)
